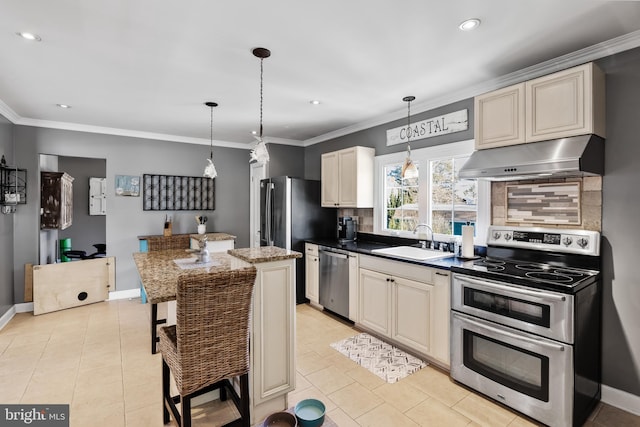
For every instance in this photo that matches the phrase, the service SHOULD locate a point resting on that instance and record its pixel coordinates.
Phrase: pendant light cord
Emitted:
(409, 127)
(261, 94)
(211, 135)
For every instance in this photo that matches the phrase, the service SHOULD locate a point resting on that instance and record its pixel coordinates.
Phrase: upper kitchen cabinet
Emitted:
(347, 178)
(56, 200)
(567, 103)
(499, 117)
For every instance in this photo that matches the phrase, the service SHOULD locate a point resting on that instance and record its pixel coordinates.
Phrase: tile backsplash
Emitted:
(590, 206)
(362, 216)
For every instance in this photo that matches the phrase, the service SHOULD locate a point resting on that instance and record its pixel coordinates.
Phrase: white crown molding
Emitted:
(591, 53)
(127, 132)
(11, 115)
(282, 141)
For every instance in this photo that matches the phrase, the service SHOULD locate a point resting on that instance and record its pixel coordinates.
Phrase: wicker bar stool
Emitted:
(161, 243)
(209, 345)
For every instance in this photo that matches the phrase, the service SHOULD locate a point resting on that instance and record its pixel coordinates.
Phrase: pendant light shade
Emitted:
(409, 169)
(259, 153)
(210, 169)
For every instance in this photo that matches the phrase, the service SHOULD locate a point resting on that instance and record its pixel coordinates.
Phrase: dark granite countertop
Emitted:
(370, 242)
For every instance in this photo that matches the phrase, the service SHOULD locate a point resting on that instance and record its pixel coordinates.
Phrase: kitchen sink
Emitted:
(410, 252)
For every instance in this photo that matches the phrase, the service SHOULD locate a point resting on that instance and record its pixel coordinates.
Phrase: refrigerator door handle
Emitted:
(269, 213)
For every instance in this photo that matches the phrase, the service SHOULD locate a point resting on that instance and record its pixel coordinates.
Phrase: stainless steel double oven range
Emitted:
(525, 322)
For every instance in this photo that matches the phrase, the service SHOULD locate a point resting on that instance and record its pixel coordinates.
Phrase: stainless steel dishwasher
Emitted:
(334, 280)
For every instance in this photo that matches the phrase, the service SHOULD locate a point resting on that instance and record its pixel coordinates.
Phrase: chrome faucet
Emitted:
(422, 242)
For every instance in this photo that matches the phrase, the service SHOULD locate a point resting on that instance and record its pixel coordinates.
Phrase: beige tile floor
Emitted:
(96, 358)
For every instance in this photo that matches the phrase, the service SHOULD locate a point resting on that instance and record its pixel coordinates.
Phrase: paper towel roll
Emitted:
(467, 241)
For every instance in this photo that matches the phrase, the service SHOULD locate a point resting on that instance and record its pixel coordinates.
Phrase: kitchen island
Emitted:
(272, 349)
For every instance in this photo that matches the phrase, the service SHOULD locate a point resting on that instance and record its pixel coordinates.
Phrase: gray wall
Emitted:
(86, 229)
(285, 160)
(620, 225)
(125, 218)
(6, 226)
(376, 137)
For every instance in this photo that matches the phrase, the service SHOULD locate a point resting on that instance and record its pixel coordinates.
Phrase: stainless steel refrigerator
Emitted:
(290, 213)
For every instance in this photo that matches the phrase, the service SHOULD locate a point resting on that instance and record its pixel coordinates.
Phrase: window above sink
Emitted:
(437, 197)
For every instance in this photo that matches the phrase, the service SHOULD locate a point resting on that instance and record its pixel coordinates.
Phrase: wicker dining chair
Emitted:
(160, 243)
(209, 345)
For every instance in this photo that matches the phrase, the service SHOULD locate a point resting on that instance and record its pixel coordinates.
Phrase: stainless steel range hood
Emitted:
(566, 157)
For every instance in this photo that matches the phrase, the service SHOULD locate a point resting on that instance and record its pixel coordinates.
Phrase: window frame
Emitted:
(423, 157)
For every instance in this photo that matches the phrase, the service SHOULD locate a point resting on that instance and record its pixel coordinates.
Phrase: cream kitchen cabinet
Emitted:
(375, 301)
(312, 273)
(353, 286)
(567, 103)
(347, 178)
(273, 366)
(499, 117)
(407, 304)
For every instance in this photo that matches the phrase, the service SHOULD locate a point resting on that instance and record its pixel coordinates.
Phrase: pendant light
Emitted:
(409, 169)
(210, 169)
(259, 153)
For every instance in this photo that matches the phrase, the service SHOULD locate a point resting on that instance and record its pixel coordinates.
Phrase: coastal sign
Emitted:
(441, 125)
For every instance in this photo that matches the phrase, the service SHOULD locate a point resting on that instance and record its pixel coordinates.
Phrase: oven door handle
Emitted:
(541, 295)
(497, 331)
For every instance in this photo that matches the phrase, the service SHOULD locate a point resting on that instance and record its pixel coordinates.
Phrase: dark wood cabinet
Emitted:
(56, 200)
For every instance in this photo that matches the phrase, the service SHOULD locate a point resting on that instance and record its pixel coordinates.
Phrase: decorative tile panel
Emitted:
(178, 193)
(544, 203)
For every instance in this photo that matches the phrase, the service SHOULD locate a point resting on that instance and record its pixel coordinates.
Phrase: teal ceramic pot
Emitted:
(310, 413)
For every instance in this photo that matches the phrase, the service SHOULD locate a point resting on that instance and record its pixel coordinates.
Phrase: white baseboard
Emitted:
(126, 294)
(16, 308)
(7, 317)
(621, 399)
(24, 307)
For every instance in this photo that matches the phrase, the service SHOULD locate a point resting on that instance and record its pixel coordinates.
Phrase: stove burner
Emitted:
(489, 263)
(552, 277)
(571, 273)
(531, 267)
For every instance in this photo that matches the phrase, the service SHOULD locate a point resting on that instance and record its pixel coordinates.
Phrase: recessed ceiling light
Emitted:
(253, 132)
(314, 102)
(63, 105)
(30, 36)
(469, 24)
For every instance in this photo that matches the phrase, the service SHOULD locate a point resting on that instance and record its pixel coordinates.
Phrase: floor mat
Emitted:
(382, 359)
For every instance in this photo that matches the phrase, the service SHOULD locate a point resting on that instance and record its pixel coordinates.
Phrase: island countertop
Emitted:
(211, 237)
(264, 254)
(159, 270)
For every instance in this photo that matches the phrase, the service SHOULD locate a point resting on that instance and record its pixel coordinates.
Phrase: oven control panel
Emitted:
(583, 242)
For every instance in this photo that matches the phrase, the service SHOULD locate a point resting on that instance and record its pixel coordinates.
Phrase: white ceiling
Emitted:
(145, 67)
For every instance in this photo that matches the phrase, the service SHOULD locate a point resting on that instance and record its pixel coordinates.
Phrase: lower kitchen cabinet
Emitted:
(353, 286)
(406, 303)
(375, 301)
(412, 305)
(312, 272)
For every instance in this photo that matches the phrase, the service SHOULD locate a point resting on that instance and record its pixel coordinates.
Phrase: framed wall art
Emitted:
(178, 193)
(128, 185)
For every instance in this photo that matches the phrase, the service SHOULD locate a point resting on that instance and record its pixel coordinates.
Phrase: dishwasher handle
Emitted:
(334, 254)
